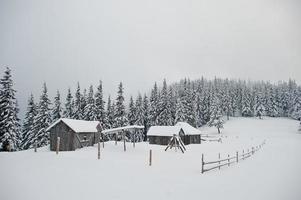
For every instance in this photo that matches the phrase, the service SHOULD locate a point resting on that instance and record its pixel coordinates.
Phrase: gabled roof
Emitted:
(120, 129)
(188, 129)
(78, 126)
(163, 130)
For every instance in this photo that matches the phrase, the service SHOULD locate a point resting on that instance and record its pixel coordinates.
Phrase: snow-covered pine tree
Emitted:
(120, 114)
(259, 105)
(110, 113)
(28, 124)
(296, 110)
(57, 108)
(173, 104)
(215, 110)
(42, 120)
(146, 121)
(83, 103)
(164, 114)
(9, 124)
(139, 110)
(90, 113)
(18, 128)
(132, 112)
(68, 111)
(100, 106)
(218, 122)
(154, 99)
(272, 103)
(78, 110)
(246, 104)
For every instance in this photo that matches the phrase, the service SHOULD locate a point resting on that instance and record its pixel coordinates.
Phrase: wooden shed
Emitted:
(161, 135)
(74, 134)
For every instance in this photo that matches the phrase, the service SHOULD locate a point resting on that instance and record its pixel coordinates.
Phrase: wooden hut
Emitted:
(161, 135)
(74, 134)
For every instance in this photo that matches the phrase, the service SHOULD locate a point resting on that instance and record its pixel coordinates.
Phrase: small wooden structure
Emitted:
(177, 143)
(121, 131)
(73, 134)
(161, 135)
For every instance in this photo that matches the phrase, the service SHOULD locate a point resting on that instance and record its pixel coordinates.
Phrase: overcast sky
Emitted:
(143, 41)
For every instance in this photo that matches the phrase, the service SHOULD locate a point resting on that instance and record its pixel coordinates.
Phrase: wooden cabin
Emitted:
(161, 135)
(74, 134)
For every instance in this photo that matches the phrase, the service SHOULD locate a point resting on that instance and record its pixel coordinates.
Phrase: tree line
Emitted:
(198, 102)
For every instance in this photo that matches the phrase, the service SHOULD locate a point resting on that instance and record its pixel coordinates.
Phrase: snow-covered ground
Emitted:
(272, 173)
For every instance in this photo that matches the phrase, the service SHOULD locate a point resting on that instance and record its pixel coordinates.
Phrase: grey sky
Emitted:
(143, 41)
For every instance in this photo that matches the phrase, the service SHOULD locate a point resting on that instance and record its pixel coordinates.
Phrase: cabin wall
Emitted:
(69, 140)
(66, 137)
(160, 140)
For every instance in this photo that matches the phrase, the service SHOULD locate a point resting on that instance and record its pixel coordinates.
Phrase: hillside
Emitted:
(272, 173)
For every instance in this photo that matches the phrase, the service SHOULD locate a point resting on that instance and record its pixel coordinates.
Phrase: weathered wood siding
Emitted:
(69, 140)
(164, 140)
(66, 137)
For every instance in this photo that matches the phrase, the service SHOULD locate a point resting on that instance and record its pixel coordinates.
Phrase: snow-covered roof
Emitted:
(163, 130)
(188, 129)
(119, 129)
(78, 126)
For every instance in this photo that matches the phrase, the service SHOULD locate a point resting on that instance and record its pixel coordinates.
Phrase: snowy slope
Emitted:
(272, 173)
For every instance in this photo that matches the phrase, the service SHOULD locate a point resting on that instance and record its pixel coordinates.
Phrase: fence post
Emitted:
(98, 155)
(35, 146)
(252, 150)
(103, 143)
(219, 162)
(124, 146)
(134, 142)
(202, 164)
(150, 157)
(236, 156)
(58, 145)
(115, 138)
(228, 160)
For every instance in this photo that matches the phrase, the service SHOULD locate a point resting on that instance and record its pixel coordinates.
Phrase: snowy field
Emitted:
(272, 173)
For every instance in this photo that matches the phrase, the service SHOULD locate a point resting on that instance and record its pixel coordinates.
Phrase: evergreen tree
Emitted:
(9, 123)
(120, 114)
(139, 110)
(146, 120)
(57, 108)
(296, 107)
(42, 120)
(132, 112)
(90, 111)
(28, 124)
(100, 106)
(68, 112)
(110, 113)
(246, 104)
(259, 107)
(164, 112)
(153, 110)
(78, 110)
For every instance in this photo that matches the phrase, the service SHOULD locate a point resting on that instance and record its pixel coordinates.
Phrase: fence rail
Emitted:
(229, 160)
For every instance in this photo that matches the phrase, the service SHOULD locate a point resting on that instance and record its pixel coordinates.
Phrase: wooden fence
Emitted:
(229, 160)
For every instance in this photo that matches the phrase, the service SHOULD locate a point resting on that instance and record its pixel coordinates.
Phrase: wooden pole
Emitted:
(115, 138)
(219, 162)
(202, 164)
(58, 145)
(35, 146)
(228, 160)
(252, 150)
(124, 146)
(98, 152)
(150, 157)
(134, 139)
(103, 143)
(236, 156)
